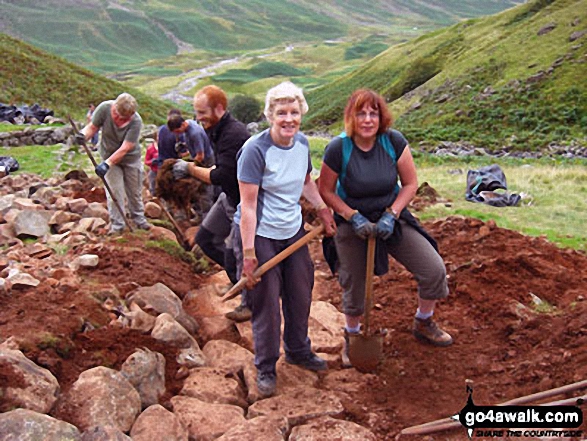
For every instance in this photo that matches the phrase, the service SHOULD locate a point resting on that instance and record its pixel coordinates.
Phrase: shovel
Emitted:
(365, 348)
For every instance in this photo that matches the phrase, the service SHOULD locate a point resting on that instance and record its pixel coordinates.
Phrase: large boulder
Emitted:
(100, 397)
(156, 423)
(24, 384)
(27, 425)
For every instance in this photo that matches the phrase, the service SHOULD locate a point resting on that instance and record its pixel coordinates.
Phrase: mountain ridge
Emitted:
(90, 33)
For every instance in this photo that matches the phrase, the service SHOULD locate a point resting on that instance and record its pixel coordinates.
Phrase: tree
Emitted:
(245, 108)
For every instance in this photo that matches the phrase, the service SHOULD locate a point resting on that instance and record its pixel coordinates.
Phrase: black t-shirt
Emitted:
(371, 177)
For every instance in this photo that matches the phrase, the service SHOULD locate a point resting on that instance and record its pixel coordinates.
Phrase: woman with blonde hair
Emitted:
(273, 171)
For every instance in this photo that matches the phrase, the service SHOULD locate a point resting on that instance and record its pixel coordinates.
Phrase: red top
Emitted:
(151, 154)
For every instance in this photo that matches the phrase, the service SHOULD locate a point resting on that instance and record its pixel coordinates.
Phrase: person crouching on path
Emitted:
(273, 171)
(121, 165)
(366, 163)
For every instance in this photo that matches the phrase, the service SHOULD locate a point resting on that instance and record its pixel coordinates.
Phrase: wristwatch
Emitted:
(395, 213)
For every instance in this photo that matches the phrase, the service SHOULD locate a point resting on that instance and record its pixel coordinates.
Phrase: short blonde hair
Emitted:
(126, 105)
(284, 92)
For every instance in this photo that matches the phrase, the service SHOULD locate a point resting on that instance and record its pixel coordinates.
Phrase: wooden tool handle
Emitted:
(369, 273)
(233, 292)
(106, 186)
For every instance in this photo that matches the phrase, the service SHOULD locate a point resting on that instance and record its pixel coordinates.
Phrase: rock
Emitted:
(153, 210)
(191, 357)
(139, 319)
(205, 421)
(100, 397)
(61, 217)
(27, 385)
(330, 428)
(156, 423)
(214, 385)
(578, 34)
(168, 330)
(546, 29)
(6, 202)
(260, 428)
(218, 328)
(46, 195)
(326, 326)
(163, 300)
(21, 280)
(33, 223)
(27, 425)
(100, 433)
(85, 261)
(77, 205)
(234, 359)
(299, 406)
(96, 209)
(145, 370)
(161, 233)
(25, 204)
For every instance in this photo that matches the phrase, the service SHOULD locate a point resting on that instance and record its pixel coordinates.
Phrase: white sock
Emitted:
(423, 316)
(353, 330)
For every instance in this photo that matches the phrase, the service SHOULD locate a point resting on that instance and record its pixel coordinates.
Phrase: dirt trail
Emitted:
(502, 343)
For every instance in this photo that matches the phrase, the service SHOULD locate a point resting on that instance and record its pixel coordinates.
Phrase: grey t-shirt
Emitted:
(113, 136)
(280, 173)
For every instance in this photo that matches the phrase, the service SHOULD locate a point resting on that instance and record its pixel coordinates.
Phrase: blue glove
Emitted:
(361, 225)
(180, 169)
(385, 225)
(102, 169)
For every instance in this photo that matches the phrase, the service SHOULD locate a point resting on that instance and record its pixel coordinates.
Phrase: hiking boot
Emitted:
(146, 226)
(240, 314)
(115, 231)
(429, 332)
(345, 360)
(310, 361)
(266, 384)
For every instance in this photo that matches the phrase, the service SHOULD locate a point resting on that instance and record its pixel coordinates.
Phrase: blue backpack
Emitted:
(347, 148)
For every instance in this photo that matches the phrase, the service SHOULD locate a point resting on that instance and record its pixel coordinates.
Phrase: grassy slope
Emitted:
(462, 61)
(555, 192)
(31, 75)
(90, 33)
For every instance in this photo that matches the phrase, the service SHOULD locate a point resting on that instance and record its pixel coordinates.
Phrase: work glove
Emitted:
(79, 138)
(180, 169)
(361, 225)
(385, 226)
(102, 169)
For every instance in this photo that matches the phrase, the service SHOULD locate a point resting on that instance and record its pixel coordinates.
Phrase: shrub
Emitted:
(245, 108)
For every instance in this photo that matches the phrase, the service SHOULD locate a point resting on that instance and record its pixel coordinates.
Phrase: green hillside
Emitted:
(492, 81)
(113, 37)
(30, 75)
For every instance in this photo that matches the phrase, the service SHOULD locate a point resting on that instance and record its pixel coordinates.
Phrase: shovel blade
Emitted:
(365, 352)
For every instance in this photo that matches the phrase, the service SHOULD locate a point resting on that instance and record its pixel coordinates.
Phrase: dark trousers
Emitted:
(292, 281)
(214, 238)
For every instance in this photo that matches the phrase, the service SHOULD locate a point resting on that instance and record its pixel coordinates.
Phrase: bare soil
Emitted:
(504, 343)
